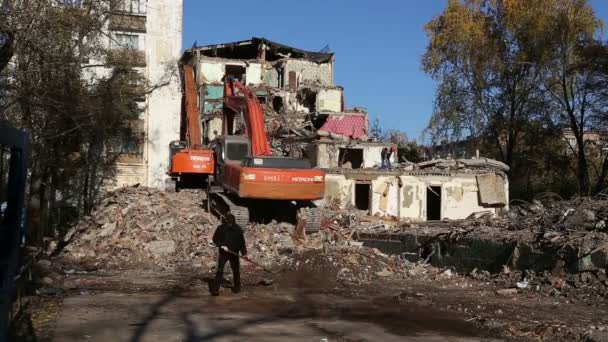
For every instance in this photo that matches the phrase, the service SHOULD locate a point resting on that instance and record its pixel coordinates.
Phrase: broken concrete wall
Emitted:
(270, 76)
(461, 199)
(459, 196)
(254, 74)
(289, 101)
(328, 154)
(212, 71)
(405, 195)
(306, 71)
(338, 191)
(385, 196)
(412, 198)
(213, 128)
(329, 100)
(492, 189)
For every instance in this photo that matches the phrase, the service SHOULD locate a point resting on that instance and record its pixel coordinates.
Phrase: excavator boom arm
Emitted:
(254, 115)
(193, 128)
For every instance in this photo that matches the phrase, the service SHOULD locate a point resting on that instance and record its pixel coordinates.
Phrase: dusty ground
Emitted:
(135, 271)
(298, 306)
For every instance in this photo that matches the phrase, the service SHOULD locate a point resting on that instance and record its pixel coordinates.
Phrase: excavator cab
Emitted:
(229, 149)
(236, 149)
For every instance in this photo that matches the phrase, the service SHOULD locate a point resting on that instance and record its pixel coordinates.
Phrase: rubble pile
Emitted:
(354, 265)
(138, 225)
(142, 227)
(590, 288)
(555, 214)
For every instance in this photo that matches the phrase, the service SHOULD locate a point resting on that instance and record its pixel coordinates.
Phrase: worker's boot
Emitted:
(214, 290)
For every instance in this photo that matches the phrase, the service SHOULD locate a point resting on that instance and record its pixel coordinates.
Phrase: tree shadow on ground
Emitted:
(304, 305)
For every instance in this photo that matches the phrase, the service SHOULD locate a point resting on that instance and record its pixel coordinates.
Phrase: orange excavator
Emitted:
(247, 176)
(190, 164)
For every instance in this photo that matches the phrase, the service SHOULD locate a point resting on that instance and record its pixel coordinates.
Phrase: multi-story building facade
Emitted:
(152, 31)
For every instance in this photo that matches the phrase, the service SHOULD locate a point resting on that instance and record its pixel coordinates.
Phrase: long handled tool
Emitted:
(248, 260)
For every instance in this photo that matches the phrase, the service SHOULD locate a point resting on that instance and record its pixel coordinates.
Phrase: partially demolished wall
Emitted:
(416, 196)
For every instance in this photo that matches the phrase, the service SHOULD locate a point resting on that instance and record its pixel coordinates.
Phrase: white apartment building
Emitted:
(153, 28)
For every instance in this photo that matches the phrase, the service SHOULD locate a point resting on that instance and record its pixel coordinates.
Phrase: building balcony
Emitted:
(128, 23)
(133, 58)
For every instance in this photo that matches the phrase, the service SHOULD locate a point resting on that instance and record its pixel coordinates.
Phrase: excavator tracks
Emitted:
(224, 206)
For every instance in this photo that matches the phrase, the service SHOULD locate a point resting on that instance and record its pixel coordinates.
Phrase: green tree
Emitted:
(512, 72)
(480, 52)
(74, 95)
(569, 78)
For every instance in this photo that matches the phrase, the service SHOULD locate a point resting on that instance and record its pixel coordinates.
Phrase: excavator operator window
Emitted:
(237, 151)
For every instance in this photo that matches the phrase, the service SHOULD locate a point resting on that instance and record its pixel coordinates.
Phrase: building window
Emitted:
(130, 145)
(137, 7)
(126, 41)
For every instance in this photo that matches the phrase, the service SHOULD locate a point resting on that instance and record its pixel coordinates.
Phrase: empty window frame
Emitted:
(127, 41)
(236, 71)
(350, 158)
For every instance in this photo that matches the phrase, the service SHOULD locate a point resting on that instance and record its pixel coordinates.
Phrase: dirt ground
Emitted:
(139, 305)
(138, 270)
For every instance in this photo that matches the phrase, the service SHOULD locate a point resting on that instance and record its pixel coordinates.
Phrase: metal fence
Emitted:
(14, 152)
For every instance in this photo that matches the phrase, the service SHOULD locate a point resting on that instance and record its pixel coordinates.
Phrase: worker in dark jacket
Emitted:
(229, 238)
(386, 155)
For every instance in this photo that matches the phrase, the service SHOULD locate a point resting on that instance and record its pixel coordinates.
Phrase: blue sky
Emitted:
(378, 45)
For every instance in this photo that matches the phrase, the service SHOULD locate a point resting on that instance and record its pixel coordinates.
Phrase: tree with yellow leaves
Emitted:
(498, 62)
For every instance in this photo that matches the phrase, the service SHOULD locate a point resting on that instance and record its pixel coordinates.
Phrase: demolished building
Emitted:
(306, 117)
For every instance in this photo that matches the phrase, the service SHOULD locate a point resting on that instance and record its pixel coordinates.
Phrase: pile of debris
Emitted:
(142, 227)
(478, 164)
(138, 225)
(353, 265)
(551, 213)
(590, 288)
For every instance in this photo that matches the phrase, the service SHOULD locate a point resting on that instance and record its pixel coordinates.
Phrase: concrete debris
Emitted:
(552, 255)
(138, 225)
(463, 163)
(384, 273)
(352, 266)
(170, 230)
(161, 248)
(557, 215)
